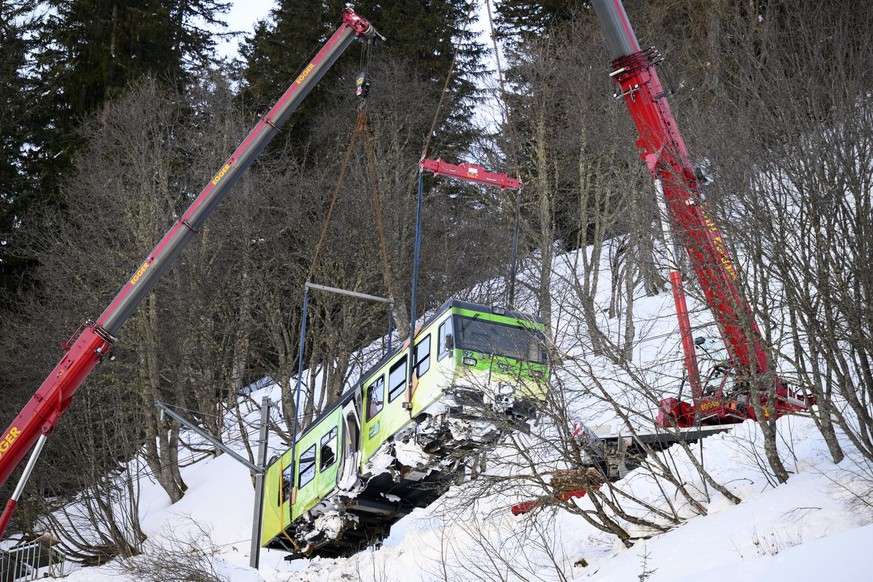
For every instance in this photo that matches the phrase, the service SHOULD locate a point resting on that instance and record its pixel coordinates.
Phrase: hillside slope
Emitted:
(817, 525)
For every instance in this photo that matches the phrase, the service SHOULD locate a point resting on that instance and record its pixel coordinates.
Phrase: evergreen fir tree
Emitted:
(430, 34)
(89, 51)
(14, 90)
(282, 44)
(517, 20)
(424, 33)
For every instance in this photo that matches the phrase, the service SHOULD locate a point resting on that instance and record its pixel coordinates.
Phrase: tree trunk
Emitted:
(545, 222)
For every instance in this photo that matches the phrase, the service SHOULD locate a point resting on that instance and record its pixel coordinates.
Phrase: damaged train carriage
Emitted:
(399, 437)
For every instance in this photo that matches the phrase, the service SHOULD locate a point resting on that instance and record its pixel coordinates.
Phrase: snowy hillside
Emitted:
(817, 526)
(810, 528)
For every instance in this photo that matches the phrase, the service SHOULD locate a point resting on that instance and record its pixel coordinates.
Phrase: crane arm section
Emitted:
(42, 413)
(663, 149)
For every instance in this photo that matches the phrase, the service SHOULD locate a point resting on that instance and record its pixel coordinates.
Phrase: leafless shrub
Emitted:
(176, 555)
(478, 547)
(101, 520)
(773, 541)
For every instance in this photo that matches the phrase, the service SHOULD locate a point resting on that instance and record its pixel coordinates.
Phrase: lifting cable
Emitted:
(377, 209)
(411, 375)
(361, 127)
(436, 113)
(502, 89)
(513, 151)
(360, 123)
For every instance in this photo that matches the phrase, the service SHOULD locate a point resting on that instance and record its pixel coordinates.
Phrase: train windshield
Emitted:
(511, 341)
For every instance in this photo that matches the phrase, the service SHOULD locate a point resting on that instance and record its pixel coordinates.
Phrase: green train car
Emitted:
(400, 437)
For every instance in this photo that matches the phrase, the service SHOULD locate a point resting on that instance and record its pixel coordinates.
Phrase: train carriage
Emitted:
(404, 432)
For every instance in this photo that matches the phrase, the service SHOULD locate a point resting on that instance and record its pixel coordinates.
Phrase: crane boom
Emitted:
(42, 413)
(666, 155)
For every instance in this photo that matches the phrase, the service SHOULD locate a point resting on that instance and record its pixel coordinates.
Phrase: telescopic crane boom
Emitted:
(42, 413)
(664, 151)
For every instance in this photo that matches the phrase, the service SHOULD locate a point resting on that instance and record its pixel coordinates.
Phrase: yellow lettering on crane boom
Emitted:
(138, 274)
(7, 440)
(220, 174)
(305, 73)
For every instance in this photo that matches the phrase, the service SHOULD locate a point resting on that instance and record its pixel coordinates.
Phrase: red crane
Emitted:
(664, 151)
(42, 413)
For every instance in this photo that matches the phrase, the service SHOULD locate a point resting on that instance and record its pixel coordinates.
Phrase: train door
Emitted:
(372, 427)
(425, 385)
(351, 438)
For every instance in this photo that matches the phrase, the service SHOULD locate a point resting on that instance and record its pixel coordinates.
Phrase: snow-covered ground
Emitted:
(814, 527)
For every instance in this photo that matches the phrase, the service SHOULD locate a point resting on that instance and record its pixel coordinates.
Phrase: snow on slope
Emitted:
(817, 525)
(803, 530)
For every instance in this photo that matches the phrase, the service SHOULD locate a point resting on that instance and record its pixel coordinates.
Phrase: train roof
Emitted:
(480, 307)
(449, 304)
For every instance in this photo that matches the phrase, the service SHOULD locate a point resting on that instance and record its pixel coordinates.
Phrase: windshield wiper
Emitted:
(467, 324)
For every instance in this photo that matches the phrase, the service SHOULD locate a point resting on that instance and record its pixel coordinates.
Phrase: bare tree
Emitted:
(174, 555)
(99, 520)
(796, 177)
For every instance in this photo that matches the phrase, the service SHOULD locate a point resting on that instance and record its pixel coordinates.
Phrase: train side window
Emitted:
(445, 341)
(375, 397)
(307, 467)
(287, 484)
(328, 449)
(422, 356)
(397, 380)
